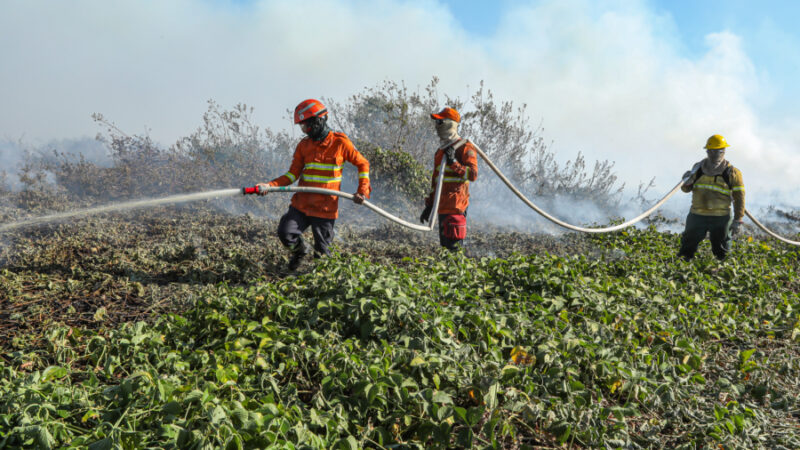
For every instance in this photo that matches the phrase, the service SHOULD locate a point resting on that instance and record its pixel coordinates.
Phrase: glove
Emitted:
(736, 228)
(358, 199)
(689, 174)
(426, 214)
(450, 155)
(262, 188)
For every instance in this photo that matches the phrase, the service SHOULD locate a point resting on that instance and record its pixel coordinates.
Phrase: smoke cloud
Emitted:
(608, 78)
(13, 154)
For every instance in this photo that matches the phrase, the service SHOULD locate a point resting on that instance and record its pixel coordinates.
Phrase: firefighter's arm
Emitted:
(737, 192)
(294, 171)
(690, 176)
(355, 158)
(471, 161)
(466, 163)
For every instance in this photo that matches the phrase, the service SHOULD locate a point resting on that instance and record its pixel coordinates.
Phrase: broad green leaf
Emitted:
(491, 396)
(442, 397)
(102, 444)
(745, 355)
(417, 361)
(53, 373)
(217, 415)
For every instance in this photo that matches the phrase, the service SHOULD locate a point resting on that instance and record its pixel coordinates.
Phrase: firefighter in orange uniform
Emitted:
(461, 169)
(318, 161)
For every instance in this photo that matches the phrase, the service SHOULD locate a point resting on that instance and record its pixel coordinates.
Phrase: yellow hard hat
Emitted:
(716, 142)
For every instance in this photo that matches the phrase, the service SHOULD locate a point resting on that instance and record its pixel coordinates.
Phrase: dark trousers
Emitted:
(450, 244)
(294, 223)
(718, 229)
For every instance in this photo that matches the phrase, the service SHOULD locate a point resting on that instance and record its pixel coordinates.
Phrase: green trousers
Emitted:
(719, 233)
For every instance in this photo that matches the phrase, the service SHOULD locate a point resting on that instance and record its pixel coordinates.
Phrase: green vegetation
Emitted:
(603, 340)
(180, 328)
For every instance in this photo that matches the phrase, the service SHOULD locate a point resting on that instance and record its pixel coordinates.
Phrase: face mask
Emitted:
(446, 129)
(316, 128)
(715, 157)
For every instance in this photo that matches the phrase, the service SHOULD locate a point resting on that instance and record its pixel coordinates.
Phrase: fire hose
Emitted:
(622, 225)
(530, 204)
(769, 232)
(393, 218)
(567, 225)
(376, 209)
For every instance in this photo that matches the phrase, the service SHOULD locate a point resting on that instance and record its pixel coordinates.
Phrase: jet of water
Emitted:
(147, 203)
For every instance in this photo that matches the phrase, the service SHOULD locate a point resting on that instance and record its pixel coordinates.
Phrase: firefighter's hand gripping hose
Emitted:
(413, 226)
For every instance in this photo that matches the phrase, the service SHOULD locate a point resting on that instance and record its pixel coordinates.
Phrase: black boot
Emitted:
(300, 251)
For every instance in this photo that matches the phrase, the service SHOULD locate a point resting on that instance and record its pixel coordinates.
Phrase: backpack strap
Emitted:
(726, 174)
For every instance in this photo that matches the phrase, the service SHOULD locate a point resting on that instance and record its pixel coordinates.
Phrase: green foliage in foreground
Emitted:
(622, 349)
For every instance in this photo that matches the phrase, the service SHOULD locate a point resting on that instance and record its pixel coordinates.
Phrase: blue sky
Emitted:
(639, 82)
(769, 31)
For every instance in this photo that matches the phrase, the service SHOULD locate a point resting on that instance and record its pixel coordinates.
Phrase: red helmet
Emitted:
(308, 109)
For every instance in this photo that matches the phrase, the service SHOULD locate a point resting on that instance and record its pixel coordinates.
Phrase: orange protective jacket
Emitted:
(455, 187)
(319, 164)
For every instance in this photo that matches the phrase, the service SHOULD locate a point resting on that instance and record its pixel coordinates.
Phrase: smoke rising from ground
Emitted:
(606, 78)
(14, 154)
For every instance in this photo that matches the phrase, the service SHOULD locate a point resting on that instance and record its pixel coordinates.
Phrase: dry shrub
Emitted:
(393, 117)
(4, 188)
(389, 123)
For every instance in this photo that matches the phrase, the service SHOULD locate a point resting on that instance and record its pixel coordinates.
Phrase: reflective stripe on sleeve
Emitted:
(290, 176)
(363, 175)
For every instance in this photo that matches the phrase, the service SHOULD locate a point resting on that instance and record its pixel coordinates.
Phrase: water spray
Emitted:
(256, 190)
(122, 206)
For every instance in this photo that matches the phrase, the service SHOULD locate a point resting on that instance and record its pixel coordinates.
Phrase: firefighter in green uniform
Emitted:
(714, 184)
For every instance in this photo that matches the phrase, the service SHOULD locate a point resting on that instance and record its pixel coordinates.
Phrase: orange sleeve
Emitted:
(355, 158)
(294, 171)
(466, 162)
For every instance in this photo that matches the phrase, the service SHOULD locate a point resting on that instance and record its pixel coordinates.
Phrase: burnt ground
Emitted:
(100, 271)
